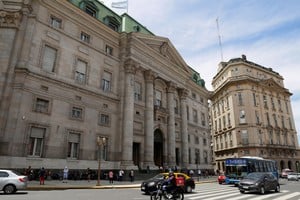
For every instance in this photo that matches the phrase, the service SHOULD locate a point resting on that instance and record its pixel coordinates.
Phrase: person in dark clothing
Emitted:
(42, 174)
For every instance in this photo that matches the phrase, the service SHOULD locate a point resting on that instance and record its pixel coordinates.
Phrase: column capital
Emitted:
(130, 66)
(10, 19)
(149, 75)
(183, 93)
(171, 86)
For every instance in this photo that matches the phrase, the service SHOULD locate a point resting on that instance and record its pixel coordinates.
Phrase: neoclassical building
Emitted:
(74, 72)
(251, 115)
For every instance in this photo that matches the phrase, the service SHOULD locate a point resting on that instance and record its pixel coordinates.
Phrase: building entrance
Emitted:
(158, 148)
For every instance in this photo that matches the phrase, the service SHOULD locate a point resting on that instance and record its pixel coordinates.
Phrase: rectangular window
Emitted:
(257, 117)
(106, 81)
(196, 140)
(187, 113)
(254, 99)
(41, 105)
(245, 138)
(195, 116)
(104, 119)
(176, 108)
(36, 141)
(55, 22)
(204, 142)
(265, 102)
(158, 98)
(203, 121)
(268, 119)
(108, 50)
(228, 119)
(49, 58)
(73, 145)
(137, 91)
(80, 73)
(77, 112)
(240, 99)
(85, 37)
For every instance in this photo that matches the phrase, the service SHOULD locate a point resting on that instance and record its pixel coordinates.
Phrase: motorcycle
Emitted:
(163, 192)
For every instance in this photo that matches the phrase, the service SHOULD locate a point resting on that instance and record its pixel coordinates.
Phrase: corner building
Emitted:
(252, 115)
(75, 71)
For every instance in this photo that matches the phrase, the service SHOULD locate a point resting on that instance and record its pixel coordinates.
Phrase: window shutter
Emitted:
(37, 132)
(81, 67)
(107, 76)
(49, 58)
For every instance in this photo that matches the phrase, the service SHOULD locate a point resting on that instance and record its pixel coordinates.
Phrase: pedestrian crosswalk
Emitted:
(222, 192)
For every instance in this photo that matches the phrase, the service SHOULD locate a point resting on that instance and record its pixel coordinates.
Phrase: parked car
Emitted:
(221, 178)
(285, 172)
(11, 181)
(149, 185)
(293, 176)
(259, 182)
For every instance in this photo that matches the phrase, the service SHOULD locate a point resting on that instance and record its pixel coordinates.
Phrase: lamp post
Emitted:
(100, 142)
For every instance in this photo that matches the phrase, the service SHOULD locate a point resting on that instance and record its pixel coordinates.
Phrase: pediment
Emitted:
(164, 48)
(272, 85)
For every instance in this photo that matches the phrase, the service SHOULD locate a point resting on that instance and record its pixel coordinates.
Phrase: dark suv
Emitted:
(259, 182)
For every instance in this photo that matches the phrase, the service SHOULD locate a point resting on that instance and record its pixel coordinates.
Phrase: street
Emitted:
(207, 191)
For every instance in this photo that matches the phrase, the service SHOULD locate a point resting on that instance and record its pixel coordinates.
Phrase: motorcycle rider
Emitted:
(170, 182)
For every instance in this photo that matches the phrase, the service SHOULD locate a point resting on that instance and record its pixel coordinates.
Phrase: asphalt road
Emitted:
(289, 190)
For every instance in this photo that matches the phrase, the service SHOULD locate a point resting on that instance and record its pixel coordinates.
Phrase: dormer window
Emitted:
(112, 23)
(89, 7)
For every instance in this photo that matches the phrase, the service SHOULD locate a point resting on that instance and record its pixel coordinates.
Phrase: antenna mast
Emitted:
(219, 36)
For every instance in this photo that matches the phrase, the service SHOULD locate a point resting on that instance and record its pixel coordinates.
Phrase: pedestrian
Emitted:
(191, 173)
(29, 173)
(65, 175)
(199, 173)
(111, 176)
(88, 174)
(131, 175)
(42, 174)
(121, 173)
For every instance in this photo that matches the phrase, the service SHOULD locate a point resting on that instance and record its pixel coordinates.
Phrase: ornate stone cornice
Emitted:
(10, 19)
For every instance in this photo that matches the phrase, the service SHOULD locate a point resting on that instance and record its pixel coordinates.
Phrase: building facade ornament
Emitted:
(10, 19)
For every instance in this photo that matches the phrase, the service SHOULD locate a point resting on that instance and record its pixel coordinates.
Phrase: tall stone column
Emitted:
(184, 128)
(171, 125)
(128, 113)
(149, 121)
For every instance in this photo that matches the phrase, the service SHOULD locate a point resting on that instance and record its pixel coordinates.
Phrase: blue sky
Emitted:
(266, 31)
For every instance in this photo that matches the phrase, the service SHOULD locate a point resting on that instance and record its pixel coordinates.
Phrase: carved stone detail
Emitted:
(149, 75)
(9, 19)
(130, 66)
(183, 93)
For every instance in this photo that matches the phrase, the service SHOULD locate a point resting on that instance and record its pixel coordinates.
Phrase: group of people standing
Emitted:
(43, 174)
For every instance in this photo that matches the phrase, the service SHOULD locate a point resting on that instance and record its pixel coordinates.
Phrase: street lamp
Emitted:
(100, 142)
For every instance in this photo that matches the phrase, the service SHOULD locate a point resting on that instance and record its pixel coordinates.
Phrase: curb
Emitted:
(68, 187)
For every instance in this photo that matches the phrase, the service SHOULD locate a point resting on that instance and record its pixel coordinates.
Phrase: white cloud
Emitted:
(267, 32)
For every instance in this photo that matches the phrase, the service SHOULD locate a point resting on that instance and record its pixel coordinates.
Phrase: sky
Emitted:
(266, 31)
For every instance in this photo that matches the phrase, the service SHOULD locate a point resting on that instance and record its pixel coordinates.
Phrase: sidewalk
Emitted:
(104, 184)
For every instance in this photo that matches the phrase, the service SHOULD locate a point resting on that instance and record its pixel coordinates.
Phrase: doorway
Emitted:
(158, 148)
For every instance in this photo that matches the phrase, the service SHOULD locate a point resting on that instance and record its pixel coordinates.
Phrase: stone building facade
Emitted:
(73, 72)
(251, 115)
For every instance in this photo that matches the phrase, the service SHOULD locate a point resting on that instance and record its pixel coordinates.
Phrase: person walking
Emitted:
(131, 175)
(121, 173)
(42, 174)
(65, 175)
(88, 174)
(111, 176)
